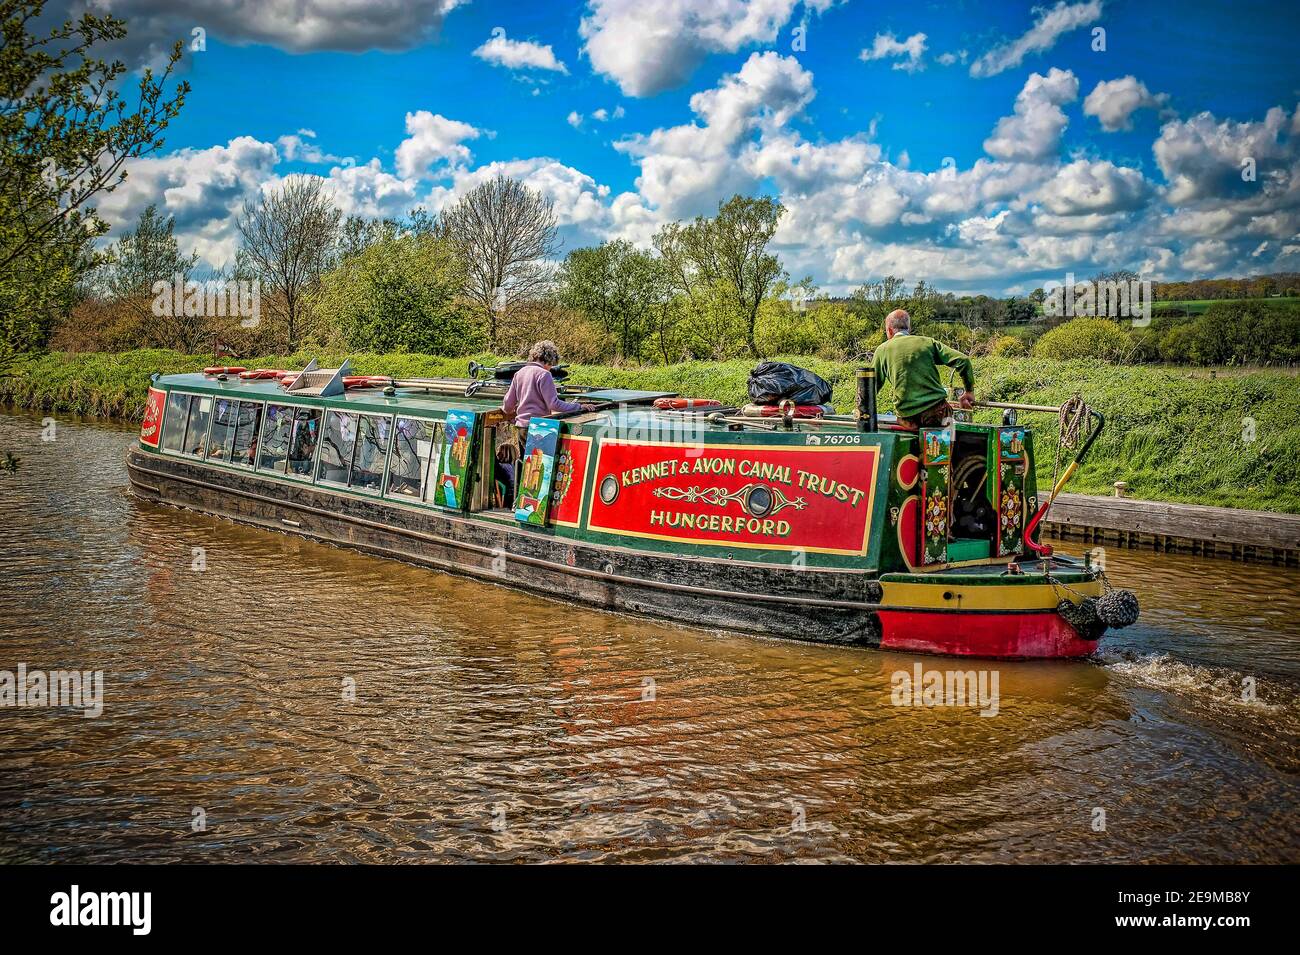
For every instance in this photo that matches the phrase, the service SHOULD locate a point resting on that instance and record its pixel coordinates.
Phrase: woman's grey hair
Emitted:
(545, 352)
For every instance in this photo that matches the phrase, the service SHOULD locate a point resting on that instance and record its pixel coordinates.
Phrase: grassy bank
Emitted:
(1171, 434)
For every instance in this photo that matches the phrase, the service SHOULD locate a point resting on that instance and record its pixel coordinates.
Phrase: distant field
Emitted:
(1197, 306)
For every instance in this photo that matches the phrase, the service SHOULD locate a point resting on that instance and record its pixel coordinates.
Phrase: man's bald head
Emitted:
(897, 321)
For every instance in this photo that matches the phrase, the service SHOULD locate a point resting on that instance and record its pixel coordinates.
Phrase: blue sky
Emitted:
(1057, 157)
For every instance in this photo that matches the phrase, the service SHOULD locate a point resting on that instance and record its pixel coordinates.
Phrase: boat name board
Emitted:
(757, 496)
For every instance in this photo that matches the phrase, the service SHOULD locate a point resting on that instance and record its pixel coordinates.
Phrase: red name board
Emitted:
(774, 497)
(151, 426)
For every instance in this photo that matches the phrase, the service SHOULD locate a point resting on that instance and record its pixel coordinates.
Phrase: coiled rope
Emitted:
(1073, 416)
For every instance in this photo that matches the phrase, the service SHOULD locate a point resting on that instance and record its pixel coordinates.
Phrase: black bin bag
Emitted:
(776, 381)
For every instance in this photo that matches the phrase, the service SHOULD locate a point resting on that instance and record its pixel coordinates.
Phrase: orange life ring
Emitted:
(678, 404)
(223, 370)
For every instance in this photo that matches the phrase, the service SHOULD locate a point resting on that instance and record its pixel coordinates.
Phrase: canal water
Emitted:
(272, 699)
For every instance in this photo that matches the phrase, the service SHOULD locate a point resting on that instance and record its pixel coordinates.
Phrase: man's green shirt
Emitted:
(911, 364)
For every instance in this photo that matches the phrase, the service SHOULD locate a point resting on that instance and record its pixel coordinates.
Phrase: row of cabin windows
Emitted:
(365, 452)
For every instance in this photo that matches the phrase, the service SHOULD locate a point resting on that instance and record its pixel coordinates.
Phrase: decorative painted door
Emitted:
(533, 496)
(936, 456)
(455, 468)
(1011, 490)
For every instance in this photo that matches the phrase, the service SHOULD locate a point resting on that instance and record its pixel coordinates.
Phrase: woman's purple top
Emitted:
(532, 392)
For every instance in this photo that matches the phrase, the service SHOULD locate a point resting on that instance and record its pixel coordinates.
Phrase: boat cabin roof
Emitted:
(634, 411)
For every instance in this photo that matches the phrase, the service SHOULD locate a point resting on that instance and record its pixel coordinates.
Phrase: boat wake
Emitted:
(1217, 686)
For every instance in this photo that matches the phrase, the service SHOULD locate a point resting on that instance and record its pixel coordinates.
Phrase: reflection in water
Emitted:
(307, 703)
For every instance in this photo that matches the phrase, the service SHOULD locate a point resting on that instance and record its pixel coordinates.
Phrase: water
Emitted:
(491, 725)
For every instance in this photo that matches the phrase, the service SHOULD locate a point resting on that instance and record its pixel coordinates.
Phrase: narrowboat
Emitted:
(839, 528)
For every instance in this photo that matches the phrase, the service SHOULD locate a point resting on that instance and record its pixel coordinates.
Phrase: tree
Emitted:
(725, 258)
(66, 130)
(874, 300)
(401, 294)
(504, 231)
(358, 233)
(1020, 311)
(131, 266)
(619, 287)
(289, 239)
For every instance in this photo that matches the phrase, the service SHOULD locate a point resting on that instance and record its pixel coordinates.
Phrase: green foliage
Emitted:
(960, 337)
(799, 326)
(66, 131)
(1007, 346)
(1096, 338)
(724, 260)
(620, 288)
(401, 293)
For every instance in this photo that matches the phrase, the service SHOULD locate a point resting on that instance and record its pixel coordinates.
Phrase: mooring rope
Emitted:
(1073, 415)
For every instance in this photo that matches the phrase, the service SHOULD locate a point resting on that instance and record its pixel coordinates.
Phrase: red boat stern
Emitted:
(986, 612)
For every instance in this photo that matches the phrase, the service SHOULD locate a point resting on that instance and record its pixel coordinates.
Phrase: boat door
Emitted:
(1011, 464)
(456, 460)
(936, 493)
(533, 493)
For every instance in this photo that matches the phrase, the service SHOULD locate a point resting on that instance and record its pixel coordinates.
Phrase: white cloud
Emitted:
(500, 50)
(647, 46)
(602, 115)
(1207, 257)
(299, 146)
(432, 138)
(204, 189)
(887, 46)
(582, 207)
(1114, 102)
(1033, 132)
(1013, 219)
(1203, 157)
(1093, 188)
(1047, 29)
(686, 169)
(371, 192)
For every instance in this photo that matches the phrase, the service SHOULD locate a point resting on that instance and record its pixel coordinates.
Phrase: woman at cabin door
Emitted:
(532, 392)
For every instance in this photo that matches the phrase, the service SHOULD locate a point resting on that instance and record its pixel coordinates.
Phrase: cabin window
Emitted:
(244, 450)
(337, 443)
(408, 467)
(302, 445)
(221, 440)
(196, 425)
(353, 450)
(371, 452)
(277, 428)
(289, 438)
(174, 420)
